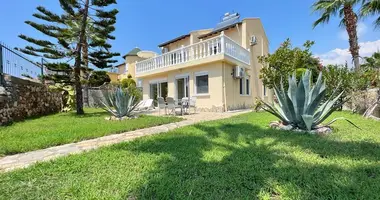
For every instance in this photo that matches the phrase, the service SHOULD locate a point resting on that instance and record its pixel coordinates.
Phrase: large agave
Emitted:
(301, 106)
(119, 102)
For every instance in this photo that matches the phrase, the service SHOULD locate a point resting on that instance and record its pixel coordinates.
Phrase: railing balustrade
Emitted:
(203, 49)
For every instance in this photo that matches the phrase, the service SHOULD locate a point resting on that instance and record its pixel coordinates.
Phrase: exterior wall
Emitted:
(213, 101)
(253, 26)
(113, 76)
(234, 100)
(178, 44)
(195, 34)
(235, 33)
(20, 99)
(130, 61)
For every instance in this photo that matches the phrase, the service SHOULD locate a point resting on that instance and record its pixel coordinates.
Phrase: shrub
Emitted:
(301, 106)
(120, 103)
(285, 61)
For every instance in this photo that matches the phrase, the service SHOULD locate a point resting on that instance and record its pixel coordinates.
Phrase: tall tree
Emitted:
(371, 8)
(349, 20)
(76, 38)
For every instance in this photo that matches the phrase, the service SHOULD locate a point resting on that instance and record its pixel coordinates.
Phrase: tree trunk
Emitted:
(85, 72)
(78, 55)
(350, 20)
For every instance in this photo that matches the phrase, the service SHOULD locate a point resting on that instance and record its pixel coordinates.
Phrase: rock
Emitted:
(319, 130)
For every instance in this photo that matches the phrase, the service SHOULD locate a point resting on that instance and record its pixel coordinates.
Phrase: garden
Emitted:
(234, 158)
(64, 128)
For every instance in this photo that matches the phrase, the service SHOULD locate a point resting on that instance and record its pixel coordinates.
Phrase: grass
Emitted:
(236, 158)
(67, 128)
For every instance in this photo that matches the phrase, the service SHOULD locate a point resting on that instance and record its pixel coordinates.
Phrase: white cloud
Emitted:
(341, 56)
(361, 30)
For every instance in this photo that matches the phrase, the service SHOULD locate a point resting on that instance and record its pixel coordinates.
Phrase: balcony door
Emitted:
(158, 89)
(182, 87)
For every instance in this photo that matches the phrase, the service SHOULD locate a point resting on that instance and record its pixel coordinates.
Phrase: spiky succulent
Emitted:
(302, 105)
(119, 102)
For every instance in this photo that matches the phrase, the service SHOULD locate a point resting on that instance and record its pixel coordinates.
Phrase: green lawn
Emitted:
(66, 128)
(236, 158)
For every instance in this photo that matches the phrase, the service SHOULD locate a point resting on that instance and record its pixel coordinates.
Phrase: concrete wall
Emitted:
(20, 99)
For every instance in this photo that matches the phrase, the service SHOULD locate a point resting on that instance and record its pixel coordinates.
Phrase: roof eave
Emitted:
(219, 30)
(174, 40)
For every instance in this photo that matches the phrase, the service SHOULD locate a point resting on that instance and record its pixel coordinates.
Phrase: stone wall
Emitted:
(20, 99)
(361, 101)
(95, 96)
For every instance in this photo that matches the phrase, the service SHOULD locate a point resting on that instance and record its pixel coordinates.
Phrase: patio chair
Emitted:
(147, 105)
(171, 105)
(140, 105)
(185, 104)
(193, 104)
(161, 105)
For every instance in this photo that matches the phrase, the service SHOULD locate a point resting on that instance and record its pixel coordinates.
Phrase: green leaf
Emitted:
(308, 120)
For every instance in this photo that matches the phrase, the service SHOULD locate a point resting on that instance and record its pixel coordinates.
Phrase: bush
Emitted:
(98, 78)
(287, 60)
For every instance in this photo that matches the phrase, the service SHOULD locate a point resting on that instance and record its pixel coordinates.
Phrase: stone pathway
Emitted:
(23, 160)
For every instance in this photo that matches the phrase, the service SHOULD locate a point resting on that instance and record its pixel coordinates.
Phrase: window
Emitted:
(247, 89)
(201, 83)
(241, 86)
(265, 90)
(244, 86)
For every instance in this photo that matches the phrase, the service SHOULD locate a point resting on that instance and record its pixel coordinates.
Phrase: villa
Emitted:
(218, 66)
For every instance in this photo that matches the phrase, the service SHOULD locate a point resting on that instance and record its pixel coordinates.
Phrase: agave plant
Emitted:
(119, 102)
(301, 106)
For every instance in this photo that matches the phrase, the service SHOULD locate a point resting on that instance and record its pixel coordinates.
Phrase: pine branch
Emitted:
(107, 14)
(43, 43)
(44, 28)
(47, 15)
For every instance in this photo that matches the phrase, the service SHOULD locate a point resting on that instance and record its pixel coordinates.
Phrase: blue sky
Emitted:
(146, 23)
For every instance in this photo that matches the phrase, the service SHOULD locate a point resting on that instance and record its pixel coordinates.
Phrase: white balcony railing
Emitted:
(204, 49)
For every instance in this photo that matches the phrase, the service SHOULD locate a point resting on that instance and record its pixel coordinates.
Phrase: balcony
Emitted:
(219, 47)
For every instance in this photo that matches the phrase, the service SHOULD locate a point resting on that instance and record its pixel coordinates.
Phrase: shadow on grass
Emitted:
(244, 161)
(86, 114)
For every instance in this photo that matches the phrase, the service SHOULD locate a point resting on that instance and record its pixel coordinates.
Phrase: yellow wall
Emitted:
(213, 101)
(113, 76)
(131, 63)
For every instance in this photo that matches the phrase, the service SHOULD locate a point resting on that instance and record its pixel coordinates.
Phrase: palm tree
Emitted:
(373, 62)
(371, 8)
(343, 8)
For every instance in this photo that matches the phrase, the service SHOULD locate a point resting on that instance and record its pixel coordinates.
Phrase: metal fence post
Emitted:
(1, 65)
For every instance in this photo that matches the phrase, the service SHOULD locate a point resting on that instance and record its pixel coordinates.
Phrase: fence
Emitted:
(13, 63)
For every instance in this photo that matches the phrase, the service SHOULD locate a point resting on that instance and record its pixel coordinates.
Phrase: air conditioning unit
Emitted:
(239, 72)
(253, 40)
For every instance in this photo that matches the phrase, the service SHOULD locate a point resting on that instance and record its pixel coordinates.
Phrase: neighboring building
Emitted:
(114, 76)
(218, 66)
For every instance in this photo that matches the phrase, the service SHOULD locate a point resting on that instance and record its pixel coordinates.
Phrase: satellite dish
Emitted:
(146, 54)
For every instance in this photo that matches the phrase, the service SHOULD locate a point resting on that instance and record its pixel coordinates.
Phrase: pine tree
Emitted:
(76, 39)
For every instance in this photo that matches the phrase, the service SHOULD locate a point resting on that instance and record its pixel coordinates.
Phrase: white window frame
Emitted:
(250, 88)
(201, 73)
(187, 83)
(244, 85)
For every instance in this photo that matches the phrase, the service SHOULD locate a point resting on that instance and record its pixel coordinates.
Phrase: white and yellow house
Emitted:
(219, 66)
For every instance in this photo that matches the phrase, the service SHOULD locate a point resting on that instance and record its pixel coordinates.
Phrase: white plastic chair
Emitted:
(161, 105)
(193, 104)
